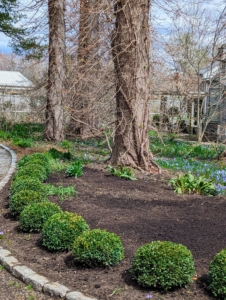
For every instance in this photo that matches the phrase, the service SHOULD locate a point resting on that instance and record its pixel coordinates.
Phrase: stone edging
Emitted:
(38, 282)
(12, 168)
(28, 276)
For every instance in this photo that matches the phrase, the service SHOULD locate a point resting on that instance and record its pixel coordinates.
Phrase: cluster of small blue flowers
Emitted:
(220, 176)
(199, 168)
(221, 189)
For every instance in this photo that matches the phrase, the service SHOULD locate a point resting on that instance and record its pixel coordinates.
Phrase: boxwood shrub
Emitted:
(60, 230)
(98, 248)
(33, 170)
(217, 275)
(35, 156)
(27, 184)
(21, 177)
(23, 198)
(162, 264)
(40, 163)
(33, 217)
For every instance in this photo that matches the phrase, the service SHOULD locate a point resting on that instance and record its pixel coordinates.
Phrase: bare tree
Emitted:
(54, 127)
(131, 55)
(87, 68)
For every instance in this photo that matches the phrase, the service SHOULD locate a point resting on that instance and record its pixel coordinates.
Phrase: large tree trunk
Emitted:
(54, 127)
(88, 62)
(131, 48)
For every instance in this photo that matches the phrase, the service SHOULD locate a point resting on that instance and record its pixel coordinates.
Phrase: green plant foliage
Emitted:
(4, 135)
(60, 191)
(23, 142)
(122, 172)
(33, 130)
(65, 144)
(56, 154)
(60, 230)
(68, 155)
(23, 198)
(33, 157)
(168, 147)
(217, 275)
(17, 177)
(33, 217)
(27, 184)
(75, 170)
(98, 248)
(33, 170)
(156, 119)
(190, 184)
(40, 163)
(162, 264)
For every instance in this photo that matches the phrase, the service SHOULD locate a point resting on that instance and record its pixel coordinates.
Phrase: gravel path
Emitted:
(13, 289)
(5, 162)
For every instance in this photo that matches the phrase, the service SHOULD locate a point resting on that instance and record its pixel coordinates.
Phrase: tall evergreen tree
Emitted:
(8, 18)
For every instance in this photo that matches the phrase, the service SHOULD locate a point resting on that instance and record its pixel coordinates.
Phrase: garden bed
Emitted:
(139, 212)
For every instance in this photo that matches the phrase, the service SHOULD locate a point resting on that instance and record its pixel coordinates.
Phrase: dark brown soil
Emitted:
(139, 212)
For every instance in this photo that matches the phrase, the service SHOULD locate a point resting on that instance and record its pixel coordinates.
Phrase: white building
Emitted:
(14, 88)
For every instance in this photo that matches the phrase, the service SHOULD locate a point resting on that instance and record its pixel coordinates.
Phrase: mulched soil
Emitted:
(139, 212)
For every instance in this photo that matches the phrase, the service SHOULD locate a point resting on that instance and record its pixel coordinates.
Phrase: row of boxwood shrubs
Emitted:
(161, 264)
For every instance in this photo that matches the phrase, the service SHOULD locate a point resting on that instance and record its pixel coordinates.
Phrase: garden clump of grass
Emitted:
(122, 172)
(60, 191)
(23, 142)
(75, 169)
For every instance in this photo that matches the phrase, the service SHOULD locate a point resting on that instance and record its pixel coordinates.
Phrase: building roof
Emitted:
(211, 71)
(14, 79)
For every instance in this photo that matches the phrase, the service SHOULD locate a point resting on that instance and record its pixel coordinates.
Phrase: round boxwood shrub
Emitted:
(33, 170)
(217, 275)
(26, 158)
(39, 162)
(163, 265)
(33, 217)
(23, 198)
(98, 248)
(36, 158)
(21, 177)
(27, 184)
(60, 230)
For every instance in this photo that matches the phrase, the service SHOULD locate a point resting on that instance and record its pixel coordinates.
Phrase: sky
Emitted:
(4, 40)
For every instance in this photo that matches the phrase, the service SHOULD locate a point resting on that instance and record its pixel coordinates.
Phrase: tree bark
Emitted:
(54, 127)
(131, 50)
(88, 61)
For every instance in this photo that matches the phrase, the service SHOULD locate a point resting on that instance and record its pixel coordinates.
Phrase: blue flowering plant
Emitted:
(2, 235)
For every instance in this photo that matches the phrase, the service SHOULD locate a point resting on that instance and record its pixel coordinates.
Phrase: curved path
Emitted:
(7, 164)
(11, 264)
